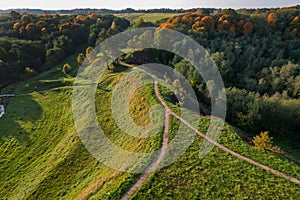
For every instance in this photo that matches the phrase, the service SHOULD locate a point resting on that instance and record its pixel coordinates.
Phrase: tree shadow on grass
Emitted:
(16, 127)
(18, 112)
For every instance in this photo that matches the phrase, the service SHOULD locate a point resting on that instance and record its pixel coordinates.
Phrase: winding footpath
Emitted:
(154, 166)
(169, 112)
(160, 157)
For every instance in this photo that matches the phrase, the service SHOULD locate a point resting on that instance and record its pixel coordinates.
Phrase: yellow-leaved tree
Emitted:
(263, 141)
(272, 19)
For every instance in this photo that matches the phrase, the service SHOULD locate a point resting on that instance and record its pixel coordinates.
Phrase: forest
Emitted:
(256, 51)
(30, 44)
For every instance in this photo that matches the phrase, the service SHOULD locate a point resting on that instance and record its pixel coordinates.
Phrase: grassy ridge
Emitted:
(221, 176)
(42, 156)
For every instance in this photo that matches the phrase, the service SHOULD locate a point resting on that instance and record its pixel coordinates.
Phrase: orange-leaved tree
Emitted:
(31, 30)
(208, 22)
(80, 17)
(167, 25)
(248, 28)
(16, 26)
(224, 25)
(41, 24)
(272, 19)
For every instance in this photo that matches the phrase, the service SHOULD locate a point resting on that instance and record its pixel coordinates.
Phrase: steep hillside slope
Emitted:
(42, 156)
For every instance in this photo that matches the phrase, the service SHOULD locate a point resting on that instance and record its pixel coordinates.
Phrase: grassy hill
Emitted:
(42, 157)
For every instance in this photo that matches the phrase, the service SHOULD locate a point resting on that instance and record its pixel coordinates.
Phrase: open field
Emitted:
(148, 17)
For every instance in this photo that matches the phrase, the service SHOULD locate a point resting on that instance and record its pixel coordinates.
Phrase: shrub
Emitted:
(90, 54)
(66, 68)
(80, 59)
(263, 141)
(29, 70)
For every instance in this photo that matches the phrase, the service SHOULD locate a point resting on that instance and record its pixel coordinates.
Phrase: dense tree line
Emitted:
(86, 11)
(40, 42)
(257, 53)
(258, 57)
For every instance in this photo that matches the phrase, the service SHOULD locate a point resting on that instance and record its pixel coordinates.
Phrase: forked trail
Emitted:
(168, 112)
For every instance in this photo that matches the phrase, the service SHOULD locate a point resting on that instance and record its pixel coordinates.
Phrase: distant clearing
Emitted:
(148, 17)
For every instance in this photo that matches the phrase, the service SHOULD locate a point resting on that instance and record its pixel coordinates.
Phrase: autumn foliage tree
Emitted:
(208, 22)
(80, 17)
(240, 25)
(80, 59)
(31, 30)
(42, 41)
(56, 16)
(263, 141)
(90, 53)
(113, 26)
(247, 28)
(93, 15)
(99, 20)
(204, 24)
(16, 26)
(68, 26)
(66, 68)
(198, 26)
(295, 25)
(27, 18)
(167, 25)
(44, 31)
(41, 24)
(174, 20)
(272, 19)
(224, 25)
(295, 22)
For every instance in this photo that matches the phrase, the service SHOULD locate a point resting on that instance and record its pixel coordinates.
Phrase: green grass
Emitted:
(148, 17)
(42, 157)
(50, 79)
(221, 176)
(41, 154)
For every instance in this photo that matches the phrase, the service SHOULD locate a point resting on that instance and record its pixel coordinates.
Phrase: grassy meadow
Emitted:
(42, 156)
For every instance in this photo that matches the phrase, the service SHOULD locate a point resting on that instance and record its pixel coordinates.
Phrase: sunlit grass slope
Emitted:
(42, 157)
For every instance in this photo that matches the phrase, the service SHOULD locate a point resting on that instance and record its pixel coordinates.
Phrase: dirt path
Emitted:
(143, 178)
(169, 112)
(276, 172)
